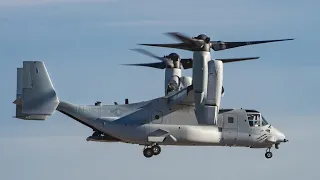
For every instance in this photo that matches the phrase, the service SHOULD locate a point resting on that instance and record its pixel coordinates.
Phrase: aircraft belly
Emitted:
(201, 134)
(229, 136)
(244, 139)
(189, 134)
(127, 133)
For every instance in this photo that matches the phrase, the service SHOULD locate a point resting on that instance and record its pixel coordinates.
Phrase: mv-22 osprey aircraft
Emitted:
(189, 113)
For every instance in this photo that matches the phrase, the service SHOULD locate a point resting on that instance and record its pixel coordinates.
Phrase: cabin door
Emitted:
(230, 128)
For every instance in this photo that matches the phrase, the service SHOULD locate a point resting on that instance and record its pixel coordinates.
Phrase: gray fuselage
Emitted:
(180, 127)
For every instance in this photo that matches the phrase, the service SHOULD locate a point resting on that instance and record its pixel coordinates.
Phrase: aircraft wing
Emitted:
(179, 96)
(162, 105)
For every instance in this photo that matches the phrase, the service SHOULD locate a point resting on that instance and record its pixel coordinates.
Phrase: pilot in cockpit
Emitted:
(257, 121)
(250, 119)
(254, 120)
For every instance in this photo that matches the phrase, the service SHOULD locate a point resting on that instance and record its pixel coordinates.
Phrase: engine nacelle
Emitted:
(207, 112)
(185, 82)
(172, 80)
(215, 78)
(200, 75)
(214, 88)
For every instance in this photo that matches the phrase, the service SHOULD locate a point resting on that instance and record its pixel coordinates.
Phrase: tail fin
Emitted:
(36, 97)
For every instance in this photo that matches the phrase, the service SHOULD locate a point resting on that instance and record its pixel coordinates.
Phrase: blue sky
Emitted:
(83, 44)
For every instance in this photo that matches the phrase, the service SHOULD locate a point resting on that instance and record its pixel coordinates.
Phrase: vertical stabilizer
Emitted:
(36, 98)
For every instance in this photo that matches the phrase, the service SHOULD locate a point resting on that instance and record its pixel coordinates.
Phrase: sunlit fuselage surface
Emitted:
(235, 126)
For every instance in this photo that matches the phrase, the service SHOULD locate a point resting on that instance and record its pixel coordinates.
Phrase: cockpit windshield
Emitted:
(256, 120)
(264, 121)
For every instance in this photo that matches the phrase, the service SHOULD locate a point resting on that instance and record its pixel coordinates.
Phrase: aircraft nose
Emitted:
(281, 137)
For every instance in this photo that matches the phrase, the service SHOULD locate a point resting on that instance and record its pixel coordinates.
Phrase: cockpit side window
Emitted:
(254, 120)
(250, 119)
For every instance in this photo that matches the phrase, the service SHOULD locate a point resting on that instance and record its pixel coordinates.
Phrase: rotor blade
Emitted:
(159, 65)
(188, 43)
(175, 46)
(220, 45)
(186, 63)
(229, 60)
(180, 37)
(145, 52)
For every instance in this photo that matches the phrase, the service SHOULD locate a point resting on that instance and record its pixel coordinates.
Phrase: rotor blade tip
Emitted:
(170, 33)
(146, 44)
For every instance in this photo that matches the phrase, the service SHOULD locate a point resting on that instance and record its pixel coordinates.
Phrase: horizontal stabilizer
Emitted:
(36, 97)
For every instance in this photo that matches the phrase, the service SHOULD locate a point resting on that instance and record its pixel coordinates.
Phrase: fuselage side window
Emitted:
(230, 119)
